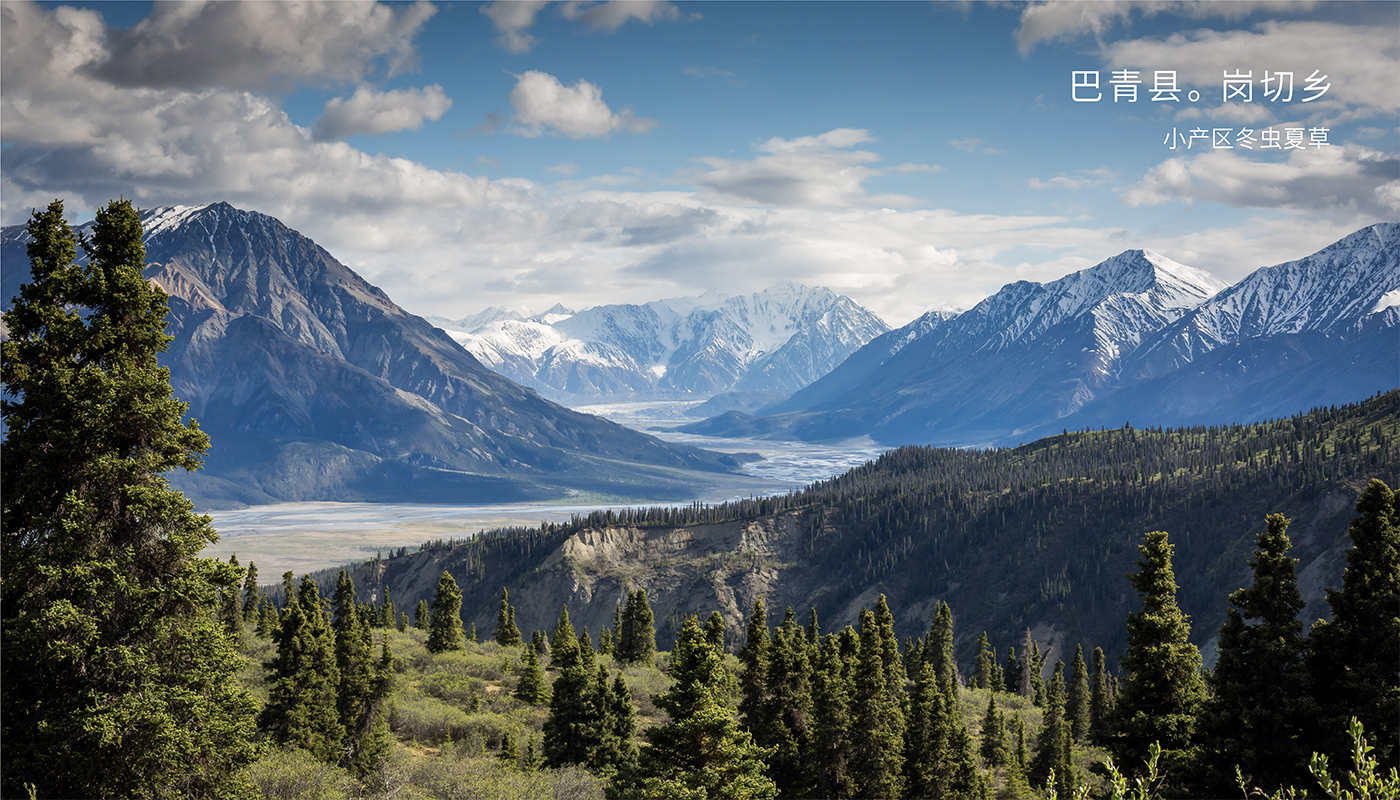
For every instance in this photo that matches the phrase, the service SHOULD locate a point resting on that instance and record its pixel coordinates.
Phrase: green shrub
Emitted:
(297, 775)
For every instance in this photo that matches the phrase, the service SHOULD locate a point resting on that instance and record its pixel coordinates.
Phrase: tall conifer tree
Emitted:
(878, 759)
(985, 664)
(833, 690)
(303, 680)
(507, 634)
(790, 710)
(445, 628)
(117, 678)
(753, 681)
(1099, 696)
(1077, 699)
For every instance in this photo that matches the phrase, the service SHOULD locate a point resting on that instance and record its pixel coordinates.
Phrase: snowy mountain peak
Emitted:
(167, 218)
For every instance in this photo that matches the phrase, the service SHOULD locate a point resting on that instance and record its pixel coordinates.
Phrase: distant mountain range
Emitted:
(313, 384)
(777, 340)
(1135, 338)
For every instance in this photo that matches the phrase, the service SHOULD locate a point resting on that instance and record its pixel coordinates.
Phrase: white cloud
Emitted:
(1358, 60)
(909, 169)
(972, 144)
(1082, 179)
(611, 15)
(544, 105)
(1338, 182)
(263, 45)
(371, 112)
(566, 169)
(806, 171)
(513, 18)
(1065, 20)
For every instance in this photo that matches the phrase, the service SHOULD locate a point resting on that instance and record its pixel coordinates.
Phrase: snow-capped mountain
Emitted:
(779, 340)
(314, 385)
(1137, 337)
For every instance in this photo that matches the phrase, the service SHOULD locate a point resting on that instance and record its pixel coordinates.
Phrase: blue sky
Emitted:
(912, 155)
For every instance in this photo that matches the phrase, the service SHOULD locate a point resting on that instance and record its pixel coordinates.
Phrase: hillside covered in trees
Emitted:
(1038, 536)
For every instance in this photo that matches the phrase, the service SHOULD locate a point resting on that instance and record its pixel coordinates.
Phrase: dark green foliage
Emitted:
(1162, 689)
(1029, 668)
(789, 713)
(939, 648)
(422, 616)
(833, 689)
(364, 684)
(540, 643)
(506, 635)
(1354, 659)
(714, 630)
(926, 735)
(637, 638)
(118, 679)
(994, 750)
(753, 680)
(1052, 750)
(1077, 697)
(605, 642)
(571, 732)
(508, 754)
(388, 612)
(230, 609)
(701, 751)
(445, 627)
(404, 623)
(1038, 674)
(1253, 717)
(303, 680)
(985, 664)
(877, 765)
(1011, 673)
(1099, 697)
(531, 687)
(250, 594)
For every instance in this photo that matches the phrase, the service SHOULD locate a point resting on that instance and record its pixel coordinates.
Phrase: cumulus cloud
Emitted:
(544, 105)
(371, 112)
(611, 15)
(263, 45)
(1082, 179)
(1336, 182)
(1066, 20)
(1358, 60)
(513, 18)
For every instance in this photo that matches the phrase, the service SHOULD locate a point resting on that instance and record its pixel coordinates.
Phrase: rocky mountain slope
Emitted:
(313, 384)
(777, 340)
(1137, 337)
(1036, 537)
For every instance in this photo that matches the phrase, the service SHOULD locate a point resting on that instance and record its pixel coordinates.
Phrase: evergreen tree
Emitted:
(958, 777)
(250, 594)
(1162, 689)
(531, 687)
(508, 754)
(1038, 674)
(1011, 673)
(1354, 659)
(422, 616)
(605, 642)
(637, 644)
(403, 622)
(471, 631)
(939, 649)
(753, 680)
(540, 643)
(1077, 699)
(571, 731)
(231, 609)
(303, 680)
(994, 750)
(789, 714)
(388, 612)
(926, 735)
(998, 679)
(623, 720)
(894, 665)
(877, 766)
(1099, 696)
(532, 759)
(361, 684)
(985, 663)
(833, 687)
(701, 752)
(445, 628)
(507, 635)
(1052, 750)
(118, 680)
(564, 645)
(1252, 718)
(1029, 668)
(714, 630)
(612, 749)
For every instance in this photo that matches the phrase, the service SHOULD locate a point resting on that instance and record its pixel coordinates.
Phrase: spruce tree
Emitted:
(303, 680)
(637, 644)
(1099, 697)
(1162, 689)
(540, 643)
(1077, 699)
(250, 594)
(926, 745)
(789, 714)
(753, 680)
(1011, 673)
(701, 751)
(894, 665)
(622, 717)
(833, 688)
(422, 616)
(998, 679)
(508, 753)
(714, 630)
(1052, 750)
(994, 750)
(1354, 659)
(359, 690)
(531, 687)
(1029, 668)
(506, 635)
(445, 628)
(939, 648)
(877, 766)
(118, 680)
(1252, 718)
(1038, 674)
(571, 731)
(985, 663)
